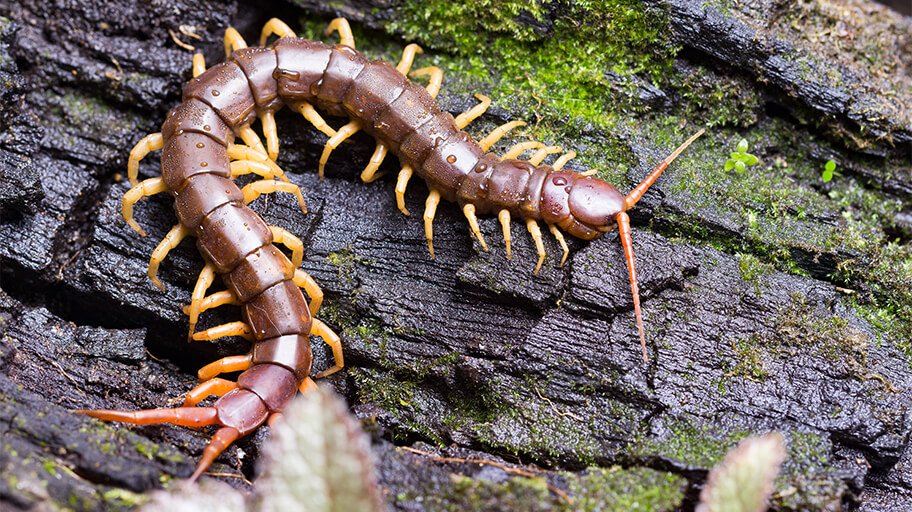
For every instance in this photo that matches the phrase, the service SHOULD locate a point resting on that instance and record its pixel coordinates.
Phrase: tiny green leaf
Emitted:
(830, 166)
(740, 167)
(729, 165)
(751, 160)
(735, 156)
(743, 481)
(742, 146)
(828, 169)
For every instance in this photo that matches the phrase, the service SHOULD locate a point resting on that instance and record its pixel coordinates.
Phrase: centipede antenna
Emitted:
(623, 222)
(634, 196)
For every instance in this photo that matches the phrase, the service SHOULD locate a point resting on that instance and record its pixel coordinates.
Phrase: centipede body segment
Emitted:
(200, 158)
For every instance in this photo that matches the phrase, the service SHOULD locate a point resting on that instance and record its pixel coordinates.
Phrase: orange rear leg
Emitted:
(217, 387)
(182, 416)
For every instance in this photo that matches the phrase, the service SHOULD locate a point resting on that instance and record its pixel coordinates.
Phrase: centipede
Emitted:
(200, 160)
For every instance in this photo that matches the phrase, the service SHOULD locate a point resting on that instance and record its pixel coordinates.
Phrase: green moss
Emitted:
(123, 498)
(752, 269)
(477, 494)
(50, 467)
(619, 489)
(694, 445)
(152, 450)
(558, 70)
(749, 362)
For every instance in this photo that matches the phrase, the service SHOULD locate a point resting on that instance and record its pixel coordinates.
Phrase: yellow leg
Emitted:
(242, 152)
(463, 120)
(504, 218)
(534, 230)
(560, 240)
(280, 236)
(215, 300)
(199, 64)
(314, 117)
(225, 365)
(307, 385)
(146, 145)
(303, 280)
(563, 159)
(435, 78)
(252, 139)
(277, 27)
(206, 277)
(405, 174)
(233, 41)
(430, 210)
(498, 133)
(345, 132)
(217, 387)
(345, 32)
(149, 187)
(253, 190)
(369, 173)
(517, 149)
(242, 167)
(408, 57)
(171, 240)
(469, 211)
(267, 119)
(332, 339)
(539, 156)
(223, 331)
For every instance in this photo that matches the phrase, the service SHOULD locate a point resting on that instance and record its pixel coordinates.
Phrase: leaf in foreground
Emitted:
(743, 481)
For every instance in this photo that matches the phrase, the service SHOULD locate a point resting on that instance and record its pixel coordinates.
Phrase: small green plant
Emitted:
(740, 159)
(828, 170)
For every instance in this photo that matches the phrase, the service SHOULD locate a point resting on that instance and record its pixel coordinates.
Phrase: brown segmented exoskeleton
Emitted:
(200, 159)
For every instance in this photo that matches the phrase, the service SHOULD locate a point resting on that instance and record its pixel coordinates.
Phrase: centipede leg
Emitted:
(199, 64)
(504, 218)
(221, 440)
(267, 120)
(535, 231)
(223, 331)
(343, 133)
(517, 149)
(332, 339)
(225, 365)
(469, 212)
(148, 187)
(242, 167)
(241, 152)
(370, 172)
(341, 26)
(203, 282)
(303, 280)
(277, 27)
(217, 387)
(146, 145)
(405, 174)
(252, 139)
(563, 159)
(463, 119)
(254, 190)
(171, 240)
(281, 236)
(181, 416)
(408, 58)
(539, 156)
(233, 41)
(435, 78)
(430, 210)
(560, 240)
(307, 110)
(307, 385)
(498, 134)
(213, 301)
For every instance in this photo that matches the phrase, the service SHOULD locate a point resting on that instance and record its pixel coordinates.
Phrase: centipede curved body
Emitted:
(197, 140)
